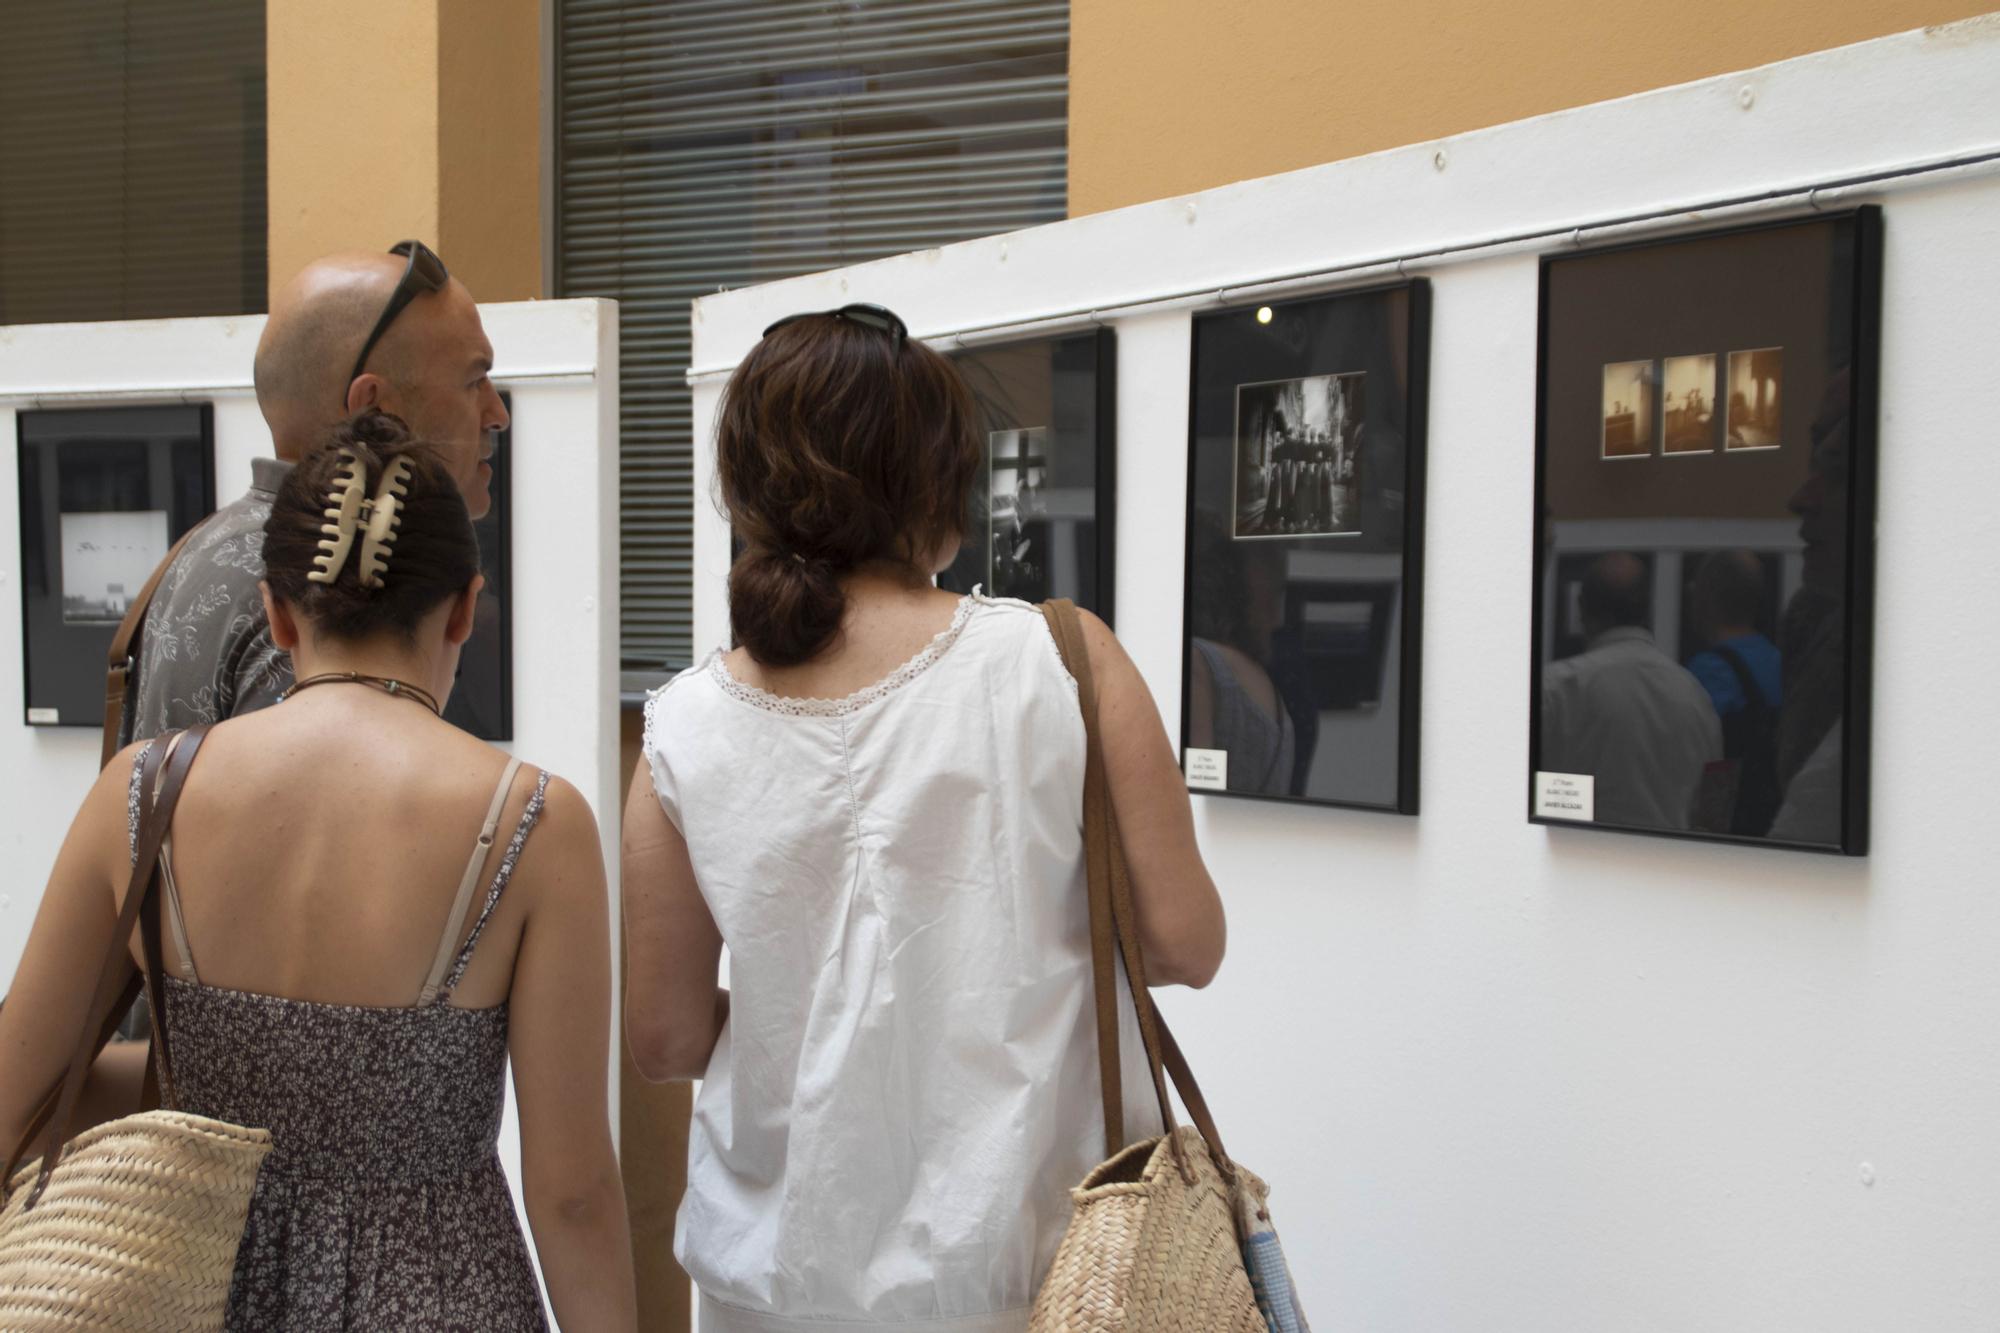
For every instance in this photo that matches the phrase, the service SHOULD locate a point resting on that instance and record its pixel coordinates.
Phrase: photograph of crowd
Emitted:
(1688, 388)
(1628, 410)
(1756, 394)
(1298, 464)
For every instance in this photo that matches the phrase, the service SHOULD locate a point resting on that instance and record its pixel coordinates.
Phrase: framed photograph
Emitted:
(1301, 666)
(1703, 610)
(105, 492)
(482, 702)
(1630, 410)
(1687, 390)
(1042, 517)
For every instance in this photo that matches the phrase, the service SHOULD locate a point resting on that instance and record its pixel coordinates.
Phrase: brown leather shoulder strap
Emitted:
(166, 776)
(119, 661)
(1067, 631)
(1111, 896)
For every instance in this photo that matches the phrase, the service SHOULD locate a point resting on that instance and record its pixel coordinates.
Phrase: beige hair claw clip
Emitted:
(351, 513)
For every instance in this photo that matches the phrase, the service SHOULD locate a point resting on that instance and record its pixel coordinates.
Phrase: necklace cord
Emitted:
(401, 689)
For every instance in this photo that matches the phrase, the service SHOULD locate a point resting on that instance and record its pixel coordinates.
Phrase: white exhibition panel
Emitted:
(557, 360)
(1508, 1077)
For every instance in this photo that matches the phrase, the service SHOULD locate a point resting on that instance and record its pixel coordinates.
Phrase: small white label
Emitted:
(44, 717)
(1208, 769)
(1566, 796)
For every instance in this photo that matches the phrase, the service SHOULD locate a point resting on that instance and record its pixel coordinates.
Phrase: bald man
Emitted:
(206, 652)
(1623, 712)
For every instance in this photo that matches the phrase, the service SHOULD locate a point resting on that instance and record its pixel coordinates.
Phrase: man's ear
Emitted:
(284, 625)
(365, 392)
(458, 628)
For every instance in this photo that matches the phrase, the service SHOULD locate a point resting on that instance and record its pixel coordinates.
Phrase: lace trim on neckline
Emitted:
(861, 698)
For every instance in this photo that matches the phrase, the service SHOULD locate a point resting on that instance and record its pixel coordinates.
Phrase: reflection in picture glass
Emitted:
(106, 559)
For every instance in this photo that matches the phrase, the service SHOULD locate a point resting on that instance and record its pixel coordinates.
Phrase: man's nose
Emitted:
(496, 410)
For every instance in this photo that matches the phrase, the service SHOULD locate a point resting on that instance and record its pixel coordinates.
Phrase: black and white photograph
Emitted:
(1629, 409)
(106, 559)
(1703, 628)
(1687, 387)
(1040, 519)
(1756, 397)
(1019, 512)
(1298, 456)
(1302, 628)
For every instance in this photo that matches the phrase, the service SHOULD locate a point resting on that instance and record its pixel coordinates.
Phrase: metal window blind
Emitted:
(718, 143)
(132, 159)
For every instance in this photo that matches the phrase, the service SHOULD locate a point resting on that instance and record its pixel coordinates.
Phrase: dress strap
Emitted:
(177, 923)
(463, 902)
(529, 817)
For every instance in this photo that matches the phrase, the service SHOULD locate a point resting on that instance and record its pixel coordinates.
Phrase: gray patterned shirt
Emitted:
(206, 652)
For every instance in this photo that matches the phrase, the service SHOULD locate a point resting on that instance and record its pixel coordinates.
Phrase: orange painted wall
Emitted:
(1171, 96)
(395, 118)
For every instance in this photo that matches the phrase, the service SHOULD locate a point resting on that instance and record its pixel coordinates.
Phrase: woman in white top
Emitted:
(875, 803)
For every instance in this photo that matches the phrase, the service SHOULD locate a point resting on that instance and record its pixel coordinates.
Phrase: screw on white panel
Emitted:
(1003, 252)
(6, 901)
(1746, 97)
(1190, 209)
(1440, 159)
(843, 284)
(590, 603)
(1868, 1174)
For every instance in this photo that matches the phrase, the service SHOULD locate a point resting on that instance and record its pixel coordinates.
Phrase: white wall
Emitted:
(559, 362)
(1508, 1077)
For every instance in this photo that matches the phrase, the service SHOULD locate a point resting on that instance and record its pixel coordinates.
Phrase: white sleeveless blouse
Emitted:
(906, 1087)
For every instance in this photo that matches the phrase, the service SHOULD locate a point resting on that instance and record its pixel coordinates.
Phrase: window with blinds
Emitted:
(132, 169)
(717, 143)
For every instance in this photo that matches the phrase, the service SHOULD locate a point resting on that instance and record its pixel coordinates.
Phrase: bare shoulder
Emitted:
(565, 843)
(1108, 658)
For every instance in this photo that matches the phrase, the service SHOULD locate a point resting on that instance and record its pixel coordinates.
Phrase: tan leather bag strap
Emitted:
(165, 776)
(1111, 900)
(119, 662)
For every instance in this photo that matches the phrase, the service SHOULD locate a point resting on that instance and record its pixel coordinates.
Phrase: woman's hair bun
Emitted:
(836, 444)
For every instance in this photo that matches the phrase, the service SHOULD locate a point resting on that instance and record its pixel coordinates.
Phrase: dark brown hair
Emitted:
(435, 553)
(836, 444)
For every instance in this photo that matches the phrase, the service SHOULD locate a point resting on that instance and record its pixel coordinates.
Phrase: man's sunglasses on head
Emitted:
(869, 316)
(424, 273)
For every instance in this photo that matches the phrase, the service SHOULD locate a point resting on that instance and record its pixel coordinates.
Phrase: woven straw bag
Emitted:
(132, 1225)
(1167, 1235)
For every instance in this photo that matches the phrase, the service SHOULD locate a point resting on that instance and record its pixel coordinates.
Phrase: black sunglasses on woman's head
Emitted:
(424, 273)
(870, 316)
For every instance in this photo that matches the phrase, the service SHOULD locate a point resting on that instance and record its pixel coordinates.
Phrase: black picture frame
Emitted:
(1751, 543)
(482, 699)
(1339, 384)
(1048, 406)
(104, 493)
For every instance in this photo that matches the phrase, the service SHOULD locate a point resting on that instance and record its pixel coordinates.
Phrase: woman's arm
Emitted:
(54, 991)
(674, 1010)
(560, 1039)
(1181, 923)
